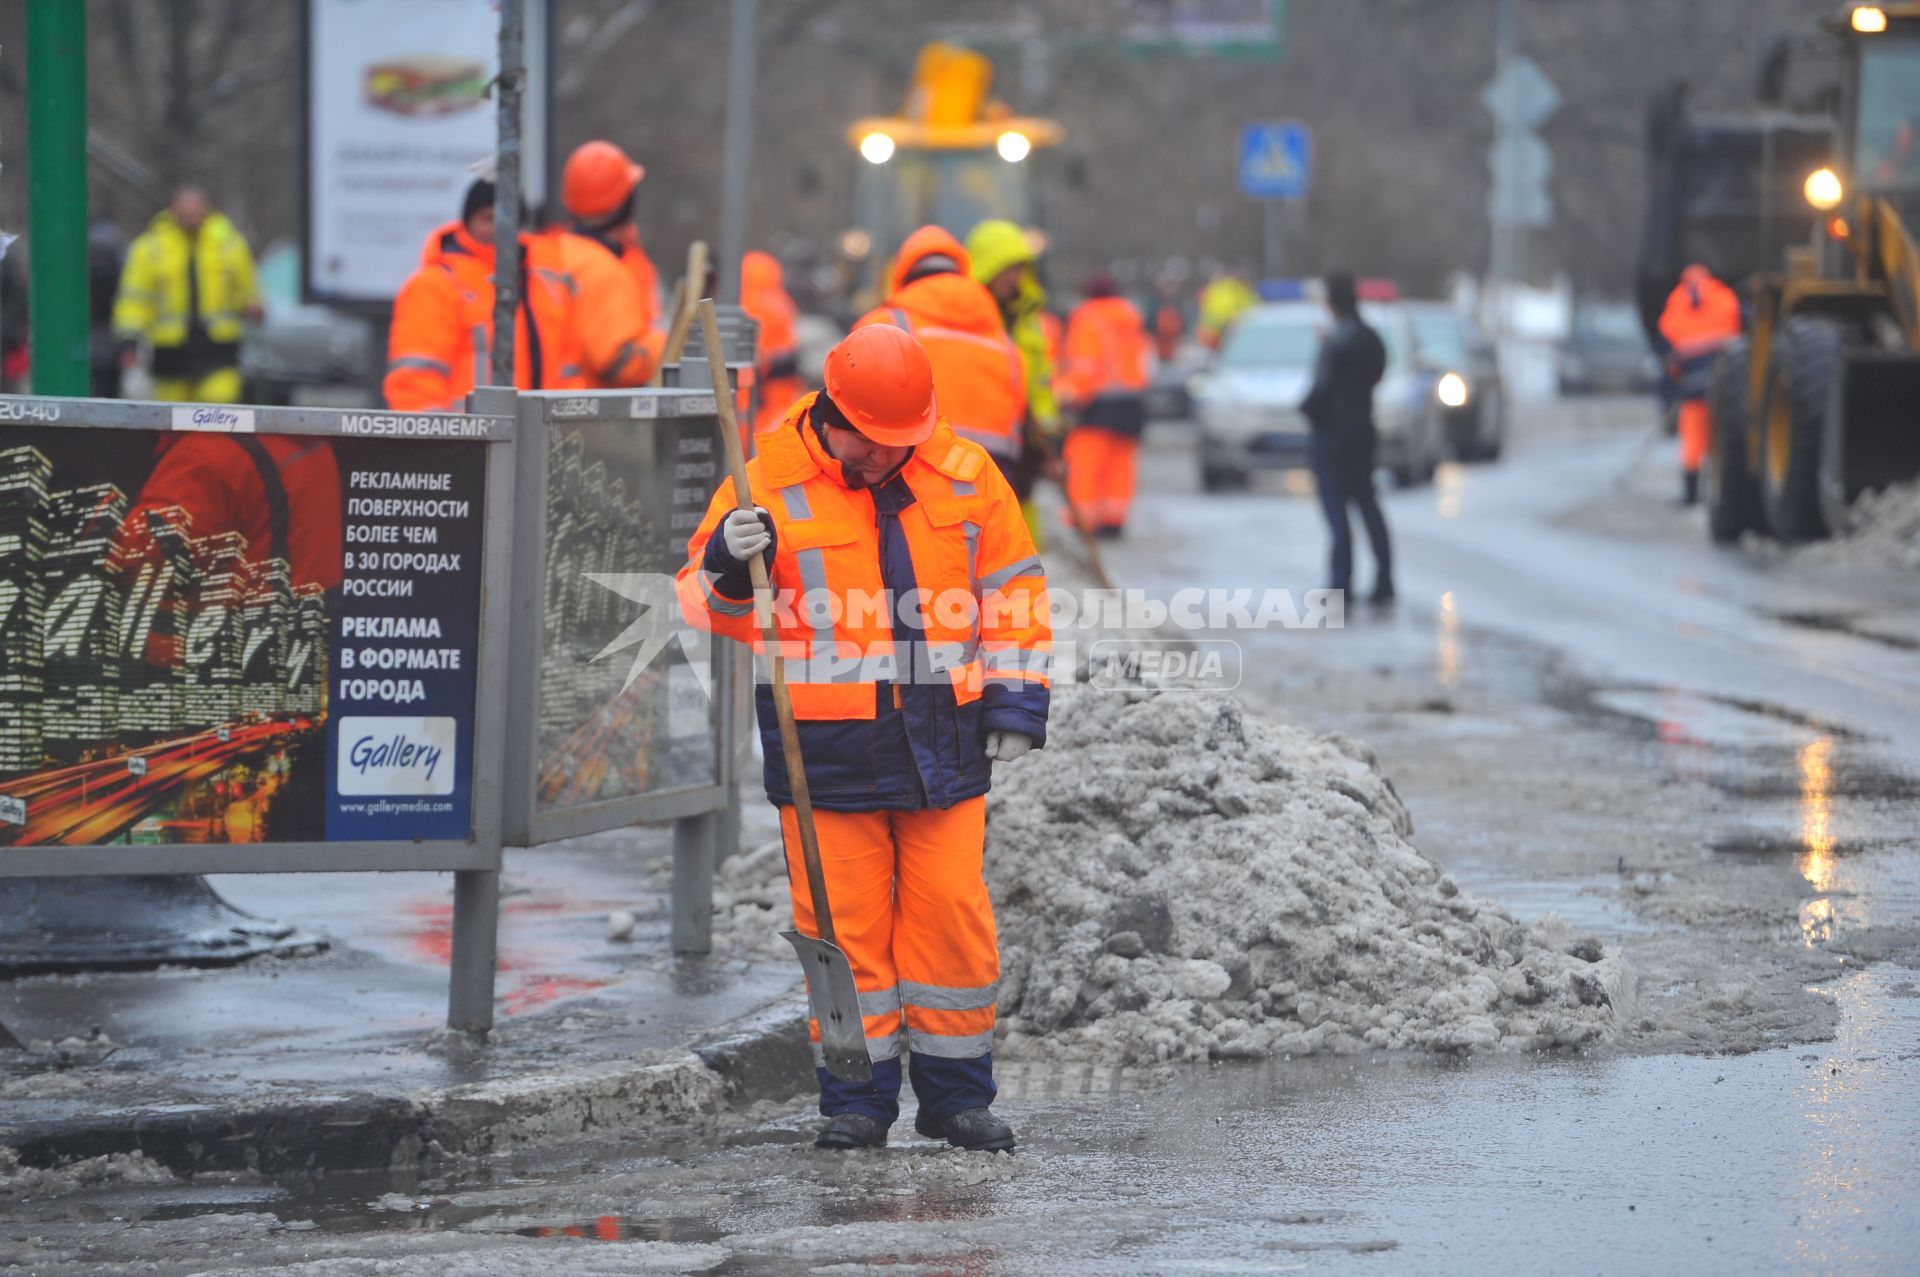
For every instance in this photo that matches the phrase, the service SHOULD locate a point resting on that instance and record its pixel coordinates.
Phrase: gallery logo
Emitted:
(390, 756)
(210, 419)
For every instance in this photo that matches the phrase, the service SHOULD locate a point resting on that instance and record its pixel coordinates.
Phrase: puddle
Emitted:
(619, 1228)
(1851, 624)
(1766, 849)
(1679, 717)
(1590, 903)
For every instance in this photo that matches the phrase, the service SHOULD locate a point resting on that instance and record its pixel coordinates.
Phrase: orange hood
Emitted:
(948, 300)
(761, 272)
(928, 241)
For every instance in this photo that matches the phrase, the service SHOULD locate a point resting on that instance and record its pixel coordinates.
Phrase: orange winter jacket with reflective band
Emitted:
(913, 618)
(440, 345)
(612, 316)
(1105, 351)
(979, 376)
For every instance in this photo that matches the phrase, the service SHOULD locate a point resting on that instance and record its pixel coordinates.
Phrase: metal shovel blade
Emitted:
(836, 1006)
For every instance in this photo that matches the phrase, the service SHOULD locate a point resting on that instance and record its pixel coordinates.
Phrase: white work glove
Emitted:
(746, 534)
(1004, 747)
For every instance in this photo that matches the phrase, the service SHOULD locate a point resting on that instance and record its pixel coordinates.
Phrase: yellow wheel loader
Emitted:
(1821, 402)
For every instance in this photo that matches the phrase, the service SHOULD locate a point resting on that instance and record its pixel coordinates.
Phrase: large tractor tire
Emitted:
(1733, 499)
(1806, 364)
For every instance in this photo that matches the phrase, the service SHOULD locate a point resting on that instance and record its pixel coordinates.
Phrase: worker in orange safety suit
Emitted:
(978, 372)
(763, 295)
(440, 344)
(1702, 315)
(903, 571)
(1103, 377)
(616, 289)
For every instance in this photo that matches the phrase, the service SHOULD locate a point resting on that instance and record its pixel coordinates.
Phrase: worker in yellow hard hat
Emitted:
(1003, 258)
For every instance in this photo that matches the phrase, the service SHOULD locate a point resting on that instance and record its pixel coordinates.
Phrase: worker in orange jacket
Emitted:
(440, 345)
(1169, 325)
(616, 290)
(978, 372)
(902, 568)
(1702, 315)
(1103, 377)
(763, 295)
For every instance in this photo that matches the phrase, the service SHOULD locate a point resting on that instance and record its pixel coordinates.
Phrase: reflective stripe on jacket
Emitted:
(154, 289)
(441, 341)
(893, 712)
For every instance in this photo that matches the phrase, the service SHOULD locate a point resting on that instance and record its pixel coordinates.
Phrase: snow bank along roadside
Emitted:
(1176, 878)
(1886, 533)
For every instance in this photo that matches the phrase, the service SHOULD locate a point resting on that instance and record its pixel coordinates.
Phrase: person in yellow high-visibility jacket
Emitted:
(186, 290)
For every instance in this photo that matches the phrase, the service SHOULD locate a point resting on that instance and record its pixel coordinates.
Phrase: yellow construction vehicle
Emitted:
(952, 156)
(1821, 402)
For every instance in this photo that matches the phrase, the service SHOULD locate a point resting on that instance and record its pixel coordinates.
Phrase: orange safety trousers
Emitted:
(1102, 468)
(1696, 433)
(910, 908)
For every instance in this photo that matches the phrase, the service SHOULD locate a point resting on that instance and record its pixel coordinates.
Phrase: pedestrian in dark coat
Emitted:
(1339, 407)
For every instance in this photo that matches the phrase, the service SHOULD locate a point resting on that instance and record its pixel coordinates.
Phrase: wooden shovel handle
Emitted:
(763, 618)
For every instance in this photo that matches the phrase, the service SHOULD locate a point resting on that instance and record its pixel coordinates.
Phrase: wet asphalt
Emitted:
(1575, 695)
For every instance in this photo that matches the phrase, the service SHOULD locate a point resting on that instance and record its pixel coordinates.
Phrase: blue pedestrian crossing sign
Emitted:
(1275, 160)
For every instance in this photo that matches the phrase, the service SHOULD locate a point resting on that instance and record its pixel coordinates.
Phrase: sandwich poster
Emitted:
(400, 116)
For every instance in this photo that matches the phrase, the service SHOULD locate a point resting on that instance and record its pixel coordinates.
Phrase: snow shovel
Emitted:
(830, 988)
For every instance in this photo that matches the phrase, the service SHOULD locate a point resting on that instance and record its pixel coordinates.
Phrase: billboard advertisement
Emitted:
(625, 707)
(212, 635)
(400, 114)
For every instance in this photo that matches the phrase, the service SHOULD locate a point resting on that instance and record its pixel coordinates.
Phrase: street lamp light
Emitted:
(1014, 146)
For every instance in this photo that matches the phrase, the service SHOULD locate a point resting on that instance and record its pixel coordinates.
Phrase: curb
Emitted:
(761, 1056)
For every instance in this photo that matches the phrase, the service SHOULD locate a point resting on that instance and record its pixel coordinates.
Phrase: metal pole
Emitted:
(738, 147)
(476, 929)
(506, 196)
(1507, 136)
(57, 195)
(693, 861)
(1275, 239)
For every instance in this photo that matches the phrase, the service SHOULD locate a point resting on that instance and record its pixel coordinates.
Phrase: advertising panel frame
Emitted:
(689, 806)
(475, 861)
(481, 851)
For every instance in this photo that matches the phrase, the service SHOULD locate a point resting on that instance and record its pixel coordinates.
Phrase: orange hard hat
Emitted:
(883, 381)
(597, 180)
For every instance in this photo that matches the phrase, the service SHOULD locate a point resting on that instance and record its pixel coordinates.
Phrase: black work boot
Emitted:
(976, 1129)
(1690, 487)
(851, 1130)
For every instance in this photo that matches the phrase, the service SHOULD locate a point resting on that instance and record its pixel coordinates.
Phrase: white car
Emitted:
(1246, 403)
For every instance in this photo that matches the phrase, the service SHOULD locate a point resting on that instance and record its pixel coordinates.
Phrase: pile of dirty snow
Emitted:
(1175, 878)
(1886, 533)
(17, 1180)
